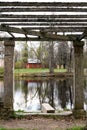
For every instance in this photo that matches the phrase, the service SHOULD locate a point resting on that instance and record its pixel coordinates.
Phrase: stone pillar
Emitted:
(78, 78)
(8, 74)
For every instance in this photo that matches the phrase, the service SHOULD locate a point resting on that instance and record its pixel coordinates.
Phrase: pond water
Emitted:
(29, 94)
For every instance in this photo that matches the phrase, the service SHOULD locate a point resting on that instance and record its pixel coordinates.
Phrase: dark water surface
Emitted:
(29, 94)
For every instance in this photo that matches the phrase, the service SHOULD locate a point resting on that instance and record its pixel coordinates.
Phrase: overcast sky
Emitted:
(48, 0)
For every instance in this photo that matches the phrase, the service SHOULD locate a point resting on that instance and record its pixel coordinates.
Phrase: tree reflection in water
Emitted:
(30, 94)
(33, 93)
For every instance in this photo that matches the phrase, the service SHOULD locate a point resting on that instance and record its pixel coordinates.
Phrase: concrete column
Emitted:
(78, 76)
(8, 74)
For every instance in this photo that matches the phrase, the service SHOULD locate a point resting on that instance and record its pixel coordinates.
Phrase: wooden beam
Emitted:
(46, 24)
(41, 34)
(68, 4)
(84, 34)
(59, 38)
(59, 29)
(47, 29)
(18, 30)
(40, 16)
(43, 9)
(42, 20)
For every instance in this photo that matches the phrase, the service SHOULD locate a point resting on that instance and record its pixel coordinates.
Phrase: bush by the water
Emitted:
(1, 71)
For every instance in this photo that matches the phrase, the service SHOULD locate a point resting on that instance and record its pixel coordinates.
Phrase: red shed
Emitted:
(33, 63)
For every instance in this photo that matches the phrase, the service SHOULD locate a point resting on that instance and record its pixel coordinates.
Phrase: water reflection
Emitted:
(30, 94)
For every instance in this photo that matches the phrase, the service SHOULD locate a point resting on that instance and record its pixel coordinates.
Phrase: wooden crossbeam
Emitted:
(26, 31)
(44, 16)
(59, 29)
(40, 35)
(44, 9)
(46, 24)
(71, 4)
(18, 30)
(40, 25)
(84, 34)
(47, 29)
(43, 20)
(60, 38)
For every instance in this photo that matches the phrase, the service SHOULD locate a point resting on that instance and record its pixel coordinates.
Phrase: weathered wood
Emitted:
(44, 38)
(42, 20)
(40, 34)
(49, 24)
(68, 4)
(43, 9)
(18, 30)
(46, 108)
(40, 16)
(51, 29)
(59, 29)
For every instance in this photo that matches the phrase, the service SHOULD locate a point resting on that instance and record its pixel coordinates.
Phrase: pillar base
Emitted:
(6, 113)
(1, 104)
(79, 113)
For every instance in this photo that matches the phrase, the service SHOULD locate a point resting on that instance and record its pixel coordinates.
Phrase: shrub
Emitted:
(1, 70)
(19, 65)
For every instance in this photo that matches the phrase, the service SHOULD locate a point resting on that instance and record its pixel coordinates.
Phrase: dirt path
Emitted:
(40, 123)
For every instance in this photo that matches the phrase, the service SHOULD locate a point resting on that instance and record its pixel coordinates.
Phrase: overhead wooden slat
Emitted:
(59, 29)
(60, 38)
(48, 9)
(43, 20)
(47, 29)
(68, 4)
(21, 17)
(46, 24)
(40, 16)
(18, 30)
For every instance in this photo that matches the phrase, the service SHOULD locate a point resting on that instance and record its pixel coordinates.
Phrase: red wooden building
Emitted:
(33, 63)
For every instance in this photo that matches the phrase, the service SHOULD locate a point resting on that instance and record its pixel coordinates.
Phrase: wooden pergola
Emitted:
(43, 20)
(51, 21)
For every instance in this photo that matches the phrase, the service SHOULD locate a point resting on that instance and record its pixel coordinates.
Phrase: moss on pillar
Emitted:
(79, 113)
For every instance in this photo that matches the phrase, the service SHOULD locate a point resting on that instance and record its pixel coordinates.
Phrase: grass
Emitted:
(36, 70)
(11, 129)
(26, 72)
(76, 128)
(16, 129)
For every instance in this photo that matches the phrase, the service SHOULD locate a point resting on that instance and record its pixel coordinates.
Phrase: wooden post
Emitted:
(8, 74)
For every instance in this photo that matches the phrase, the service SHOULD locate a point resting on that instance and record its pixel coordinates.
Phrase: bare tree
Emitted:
(51, 57)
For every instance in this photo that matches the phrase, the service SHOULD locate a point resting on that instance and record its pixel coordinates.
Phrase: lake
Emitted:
(29, 94)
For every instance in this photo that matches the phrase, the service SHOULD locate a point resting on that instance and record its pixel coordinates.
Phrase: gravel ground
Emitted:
(42, 123)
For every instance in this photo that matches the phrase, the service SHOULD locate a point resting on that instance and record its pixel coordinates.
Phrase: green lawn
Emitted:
(76, 128)
(30, 71)
(11, 129)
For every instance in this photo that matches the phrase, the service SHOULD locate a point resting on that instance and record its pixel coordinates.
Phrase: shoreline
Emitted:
(45, 74)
